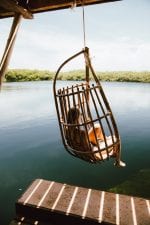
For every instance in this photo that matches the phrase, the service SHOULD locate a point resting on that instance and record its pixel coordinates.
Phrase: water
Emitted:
(30, 143)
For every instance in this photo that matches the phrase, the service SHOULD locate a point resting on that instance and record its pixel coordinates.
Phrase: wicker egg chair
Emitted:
(86, 122)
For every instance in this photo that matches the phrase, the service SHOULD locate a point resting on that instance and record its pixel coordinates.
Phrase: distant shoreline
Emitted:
(19, 75)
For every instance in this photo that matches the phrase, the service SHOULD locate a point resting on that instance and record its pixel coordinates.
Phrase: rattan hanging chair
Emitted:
(87, 124)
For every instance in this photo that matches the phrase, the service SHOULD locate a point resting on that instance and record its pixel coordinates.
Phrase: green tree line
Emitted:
(16, 75)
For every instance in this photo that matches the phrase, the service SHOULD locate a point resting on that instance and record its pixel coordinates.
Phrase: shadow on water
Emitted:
(30, 143)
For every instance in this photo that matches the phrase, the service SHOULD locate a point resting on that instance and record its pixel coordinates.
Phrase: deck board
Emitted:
(52, 196)
(79, 202)
(94, 205)
(48, 202)
(125, 210)
(109, 213)
(140, 214)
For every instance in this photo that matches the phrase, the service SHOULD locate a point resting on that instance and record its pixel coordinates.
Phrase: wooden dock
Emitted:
(49, 203)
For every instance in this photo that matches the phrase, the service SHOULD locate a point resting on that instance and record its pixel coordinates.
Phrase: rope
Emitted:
(73, 5)
(83, 20)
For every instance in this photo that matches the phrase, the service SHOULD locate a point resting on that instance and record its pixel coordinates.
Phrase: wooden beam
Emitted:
(9, 46)
(12, 6)
(49, 5)
(37, 6)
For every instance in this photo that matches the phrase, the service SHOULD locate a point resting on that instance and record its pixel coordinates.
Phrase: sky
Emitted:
(117, 34)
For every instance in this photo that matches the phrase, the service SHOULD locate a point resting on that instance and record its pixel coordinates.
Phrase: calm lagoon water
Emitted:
(30, 143)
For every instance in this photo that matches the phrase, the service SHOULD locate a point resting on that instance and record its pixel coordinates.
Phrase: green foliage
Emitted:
(137, 185)
(72, 75)
(28, 75)
(125, 76)
(37, 75)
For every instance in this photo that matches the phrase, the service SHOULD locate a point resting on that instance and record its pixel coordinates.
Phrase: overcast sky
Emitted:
(118, 35)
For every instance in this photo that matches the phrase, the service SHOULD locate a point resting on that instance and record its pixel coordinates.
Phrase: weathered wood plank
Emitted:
(51, 197)
(65, 199)
(79, 202)
(37, 195)
(61, 4)
(94, 205)
(125, 210)
(142, 211)
(30, 191)
(109, 213)
(9, 7)
(51, 202)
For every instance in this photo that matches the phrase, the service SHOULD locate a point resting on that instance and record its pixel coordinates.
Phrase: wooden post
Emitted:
(9, 46)
(87, 78)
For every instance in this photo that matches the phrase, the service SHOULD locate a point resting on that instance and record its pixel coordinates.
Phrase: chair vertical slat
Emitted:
(61, 105)
(101, 125)
(78, 127)
(92, 124)
(65, 103)
(73, 98)
(106, 119)
(84, 119)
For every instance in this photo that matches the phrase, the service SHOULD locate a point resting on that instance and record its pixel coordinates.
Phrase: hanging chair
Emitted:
(86, 122)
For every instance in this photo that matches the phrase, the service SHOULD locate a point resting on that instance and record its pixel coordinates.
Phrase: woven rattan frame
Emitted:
(82, 96)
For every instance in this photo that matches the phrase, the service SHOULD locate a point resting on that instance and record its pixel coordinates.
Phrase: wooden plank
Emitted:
(94, 205)
(52, 195)
(79, 202)
(9, 7)
(125, 210)
(37, 194)
(109, 212)
(48, 201)
(40, 6)
(28, 191)
(142, 211)
(65, 199)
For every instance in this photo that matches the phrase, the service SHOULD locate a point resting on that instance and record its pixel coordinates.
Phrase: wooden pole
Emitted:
(9, 46)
